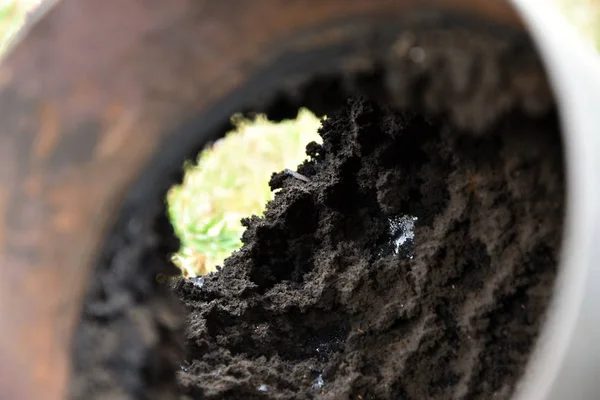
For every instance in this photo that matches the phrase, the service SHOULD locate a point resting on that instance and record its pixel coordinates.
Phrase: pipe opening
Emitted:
(412, 256)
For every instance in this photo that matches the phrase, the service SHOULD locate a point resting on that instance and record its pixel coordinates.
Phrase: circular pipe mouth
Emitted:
(121, 108)
(302, 65)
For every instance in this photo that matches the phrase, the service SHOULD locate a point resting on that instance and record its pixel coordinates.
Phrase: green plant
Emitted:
(230, 182)
(12, 17)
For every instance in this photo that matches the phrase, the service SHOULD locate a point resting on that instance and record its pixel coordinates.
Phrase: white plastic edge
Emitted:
(566, 360)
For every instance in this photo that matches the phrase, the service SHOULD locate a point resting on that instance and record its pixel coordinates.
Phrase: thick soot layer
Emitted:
(130, 335)
(417, 263)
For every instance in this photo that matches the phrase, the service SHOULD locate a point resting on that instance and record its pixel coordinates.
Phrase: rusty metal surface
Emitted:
(85, 101)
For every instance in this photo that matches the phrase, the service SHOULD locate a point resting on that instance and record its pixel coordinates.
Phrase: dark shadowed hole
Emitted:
(415, 261)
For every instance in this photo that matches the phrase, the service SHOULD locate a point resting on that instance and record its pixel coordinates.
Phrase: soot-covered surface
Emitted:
(130, 335)
(417, 263)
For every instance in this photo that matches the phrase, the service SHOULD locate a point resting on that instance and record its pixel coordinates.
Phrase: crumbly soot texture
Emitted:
(417, 263)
